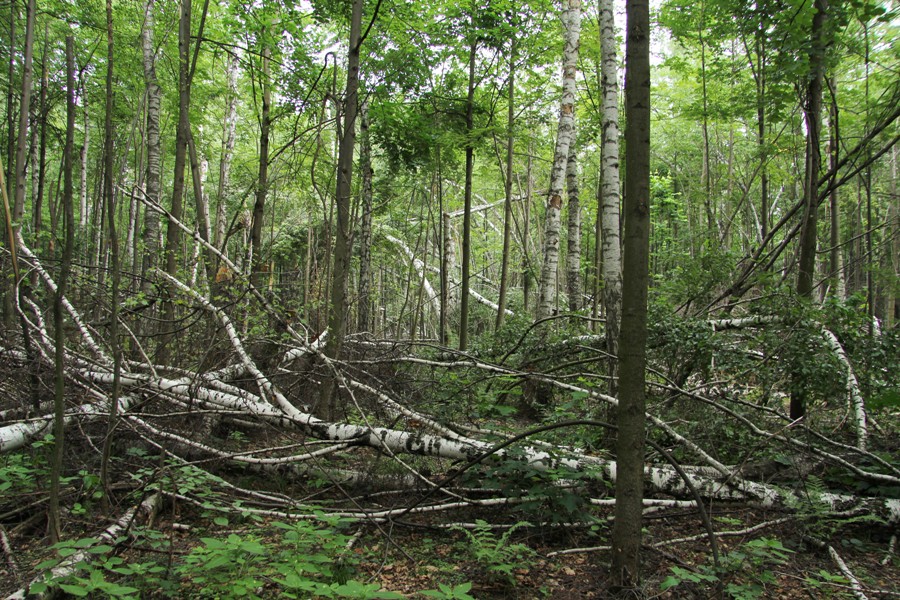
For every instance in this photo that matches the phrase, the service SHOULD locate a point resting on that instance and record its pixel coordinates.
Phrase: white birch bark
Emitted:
(611, 249)
(565, 131)
(151, 233)
(857, 404)
(573, 251)
(432, 297)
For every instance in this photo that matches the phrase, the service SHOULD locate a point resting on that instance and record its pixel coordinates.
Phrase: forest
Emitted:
(494, 299)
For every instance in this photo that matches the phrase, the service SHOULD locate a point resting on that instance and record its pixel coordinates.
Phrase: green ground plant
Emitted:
(497, 555)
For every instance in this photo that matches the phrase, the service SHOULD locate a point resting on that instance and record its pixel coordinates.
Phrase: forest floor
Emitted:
(411, 554)
(204, 541)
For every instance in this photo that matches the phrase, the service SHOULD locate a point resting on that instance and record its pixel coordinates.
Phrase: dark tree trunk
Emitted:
(626, 534)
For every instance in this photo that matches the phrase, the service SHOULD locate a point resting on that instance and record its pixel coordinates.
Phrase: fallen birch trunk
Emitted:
(40, 585)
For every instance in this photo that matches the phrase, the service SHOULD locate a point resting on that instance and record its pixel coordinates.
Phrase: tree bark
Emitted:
(573, 251)
(228, 138)
(24, 114)
(59, 385)
(807, 260)
(150, 233)
(173, 233)
(507, 186)
(626, 534)
(262, 184)
(836, 262)
(364, 318)
(564, 136)
(611, 249)
(467, 200)
(337, 316)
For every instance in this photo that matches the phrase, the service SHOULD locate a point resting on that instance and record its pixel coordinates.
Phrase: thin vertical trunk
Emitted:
(262, 184)
(467, 200)
(892, 256)
(83, 182)
(807, 260)
(59, 405)
(564, 137)
(337, 315)
(527, 276)
(109, 193)
(610, 243)
(626, 534)
(364, 319)
(173, 234)
(705, 175)
(228, 139)
(836, 263)
(760, 72)
(24, 113)
(573, 251)
(507, 186)
(154, 98)
(199, 168)
(41, 166)
(12, 73)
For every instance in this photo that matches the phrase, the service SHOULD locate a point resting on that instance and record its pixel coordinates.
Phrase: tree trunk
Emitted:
(807, 260)
(109, 193)
(262, 184)
(228, 139)
(609, 191)
(40, 167)
(342, 251)
(83, 182)
(173, 233)
(836, 262)
(59, 386)
(467, 200)
(364, 318)
(626, 534)
(564, 137)
(507, 186)
(573, 252)
(154, 98)
(24, 113)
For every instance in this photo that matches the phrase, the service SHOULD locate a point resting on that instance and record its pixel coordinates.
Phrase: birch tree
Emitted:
(565, 132)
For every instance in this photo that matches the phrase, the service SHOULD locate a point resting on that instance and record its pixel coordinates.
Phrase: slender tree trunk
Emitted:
(364, 319)
(760, 73)
(342, 251)
(626, 534)
(609, 192)
(807, 260)
(262, 184)
(41, 165)
(573, 252)
(59, 405)
(109, 192)
(173, 234)
(228, 139)
(507, 186)
(154, 98)
(527, 276)
(83, 215)
(199, 168)
(467, 200)
(891, 298)
(564, 137)
(12, 74)
(24, 113)
(836, 262)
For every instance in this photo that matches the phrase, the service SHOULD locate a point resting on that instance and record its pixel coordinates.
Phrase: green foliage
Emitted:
(18, 474)
(742, 574)
(498, 556)
(446, 592)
